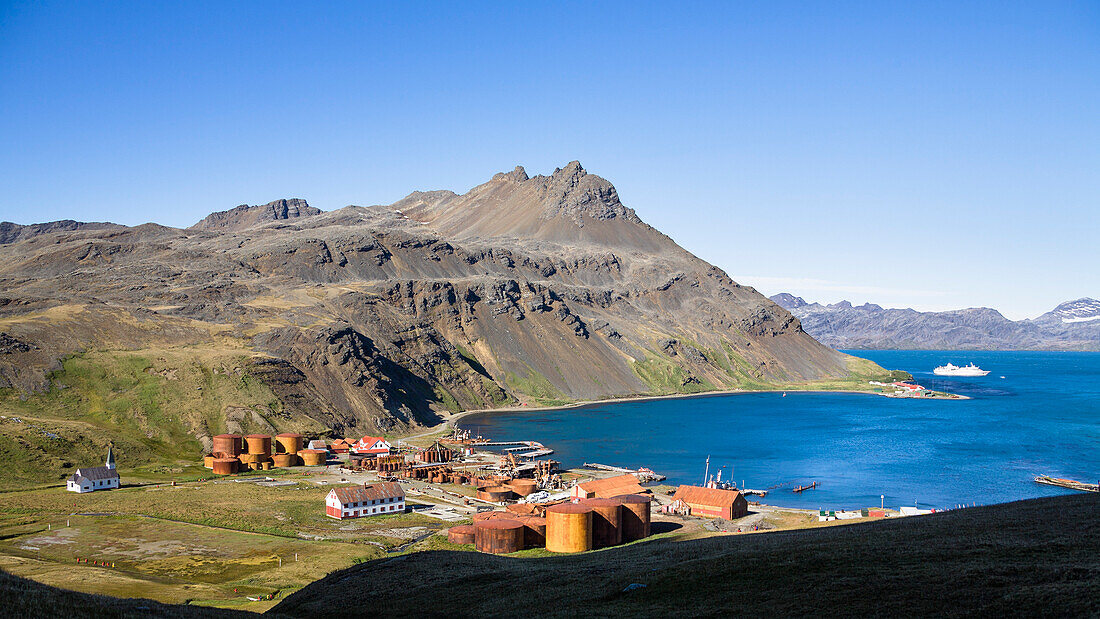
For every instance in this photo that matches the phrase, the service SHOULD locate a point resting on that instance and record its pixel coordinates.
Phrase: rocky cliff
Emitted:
(542, 289)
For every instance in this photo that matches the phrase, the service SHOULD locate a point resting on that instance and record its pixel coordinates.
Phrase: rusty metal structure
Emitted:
(462, 534)
(438, 452)
(312, 457)
(208, 461)
(534, 531)
(494, 494)
(499, 536)
(606, 521)
(482, 516)
(258, 444)
(285, 459)
(568, 528)
(228, 445)
(288, 443)
(523, 487)
(635, 517)
(225, 466)
(390, 464)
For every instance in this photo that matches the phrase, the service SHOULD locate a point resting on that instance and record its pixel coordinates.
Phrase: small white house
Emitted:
(94, 478)
(370, 500)
(375, 445)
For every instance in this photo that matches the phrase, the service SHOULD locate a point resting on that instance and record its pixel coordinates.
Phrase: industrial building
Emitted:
(709, 502)
(369, 500)
(90, 479)
(608, 487)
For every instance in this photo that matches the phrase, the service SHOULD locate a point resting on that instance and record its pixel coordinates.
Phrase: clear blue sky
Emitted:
(940, 157)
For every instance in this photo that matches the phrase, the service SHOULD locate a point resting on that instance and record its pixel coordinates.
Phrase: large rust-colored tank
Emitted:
(258, 444)
(607, 518)
(208, 461)
(285, 460)
(312, 457)
(248, 459)
(225, 466)
(636, 516)
(534, 531)
(498, 536)
(494, 494)
(482, 516)
(523, 487)
(228, 445)
(288, 443)
(568, 527)
(462, 534)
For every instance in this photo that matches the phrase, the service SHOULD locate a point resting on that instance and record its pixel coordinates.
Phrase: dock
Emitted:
(803, 488)
(643, 474)
(1067, 483)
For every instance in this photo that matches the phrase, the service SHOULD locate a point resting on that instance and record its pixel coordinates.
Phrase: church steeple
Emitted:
(110, 457)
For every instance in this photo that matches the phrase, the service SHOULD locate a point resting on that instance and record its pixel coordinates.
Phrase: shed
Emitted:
(712, 502)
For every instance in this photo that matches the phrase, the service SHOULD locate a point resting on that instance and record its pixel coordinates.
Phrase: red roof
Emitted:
(371, 492)
(711, 497)
(613, 486)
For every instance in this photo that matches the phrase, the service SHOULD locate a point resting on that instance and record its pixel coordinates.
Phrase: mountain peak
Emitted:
(517, 175)
(245, 216)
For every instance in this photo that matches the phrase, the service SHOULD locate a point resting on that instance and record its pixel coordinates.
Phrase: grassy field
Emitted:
(207, 543)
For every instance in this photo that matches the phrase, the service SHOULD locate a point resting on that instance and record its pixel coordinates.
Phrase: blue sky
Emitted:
(935, 157)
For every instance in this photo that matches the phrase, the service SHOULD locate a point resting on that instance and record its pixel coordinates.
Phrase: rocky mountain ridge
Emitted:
(542, 289)
(1073, 325)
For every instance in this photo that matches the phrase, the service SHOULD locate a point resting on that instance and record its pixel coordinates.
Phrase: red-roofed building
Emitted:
(385, 497)
(375, 445)
(710, 502)
(608, 487)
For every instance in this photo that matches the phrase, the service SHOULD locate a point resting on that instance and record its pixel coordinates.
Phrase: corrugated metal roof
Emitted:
(96, 473)
(697, 495)
(613, 486)
(372, 492)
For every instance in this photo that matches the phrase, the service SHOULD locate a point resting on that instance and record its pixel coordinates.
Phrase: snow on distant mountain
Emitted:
(1073, 325)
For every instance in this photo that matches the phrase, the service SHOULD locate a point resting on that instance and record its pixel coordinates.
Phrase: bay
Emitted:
(1036, 413)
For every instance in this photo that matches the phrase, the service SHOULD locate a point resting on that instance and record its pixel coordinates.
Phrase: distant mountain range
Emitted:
(1073, 325)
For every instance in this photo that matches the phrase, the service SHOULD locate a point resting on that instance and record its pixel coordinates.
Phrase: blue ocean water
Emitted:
(1036, 413)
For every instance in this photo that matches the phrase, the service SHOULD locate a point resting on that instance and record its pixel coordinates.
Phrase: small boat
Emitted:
(953, 370)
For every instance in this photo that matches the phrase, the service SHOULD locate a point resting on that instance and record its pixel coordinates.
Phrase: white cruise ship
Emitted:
(953, 370)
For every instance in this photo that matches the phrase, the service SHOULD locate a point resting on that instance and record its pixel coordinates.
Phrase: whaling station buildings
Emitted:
(369, 500)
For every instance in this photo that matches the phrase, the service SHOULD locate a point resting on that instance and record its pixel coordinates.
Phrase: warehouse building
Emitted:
(709, 502)
(608, 487)
(370, 500)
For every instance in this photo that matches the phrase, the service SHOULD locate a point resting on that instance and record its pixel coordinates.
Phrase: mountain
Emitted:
(543, 289)
(1074, 325)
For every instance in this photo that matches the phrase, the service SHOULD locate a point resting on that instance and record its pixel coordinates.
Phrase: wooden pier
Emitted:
(802, 488)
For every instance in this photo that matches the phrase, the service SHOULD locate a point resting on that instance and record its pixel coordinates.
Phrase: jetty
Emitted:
(803, 488)
(1067, 483)
(643, 474)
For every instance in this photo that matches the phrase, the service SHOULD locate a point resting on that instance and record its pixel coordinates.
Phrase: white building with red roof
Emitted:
(375, 445)
(385, 497)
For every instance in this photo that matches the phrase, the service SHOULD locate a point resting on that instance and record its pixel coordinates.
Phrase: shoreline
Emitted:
(454, 418)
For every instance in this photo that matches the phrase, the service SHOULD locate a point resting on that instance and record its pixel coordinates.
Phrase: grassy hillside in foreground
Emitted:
(1037, 557)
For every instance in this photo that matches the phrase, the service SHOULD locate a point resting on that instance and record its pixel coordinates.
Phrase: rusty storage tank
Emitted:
(259, 444)
(208, 461)
(636, 516)
(312, 457)
(249, 458)
(357, 459)
(607, 519)
(288, 443)
(494, 494)
(534, 531)
(498, 536)
(225, 466)
(285, 460)
(568, 527)
(228, 444)
(480, 516)
(462, 534)
(267, 465)
(523, 487)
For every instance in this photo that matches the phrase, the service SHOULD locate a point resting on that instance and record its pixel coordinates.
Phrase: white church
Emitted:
(95, 478)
